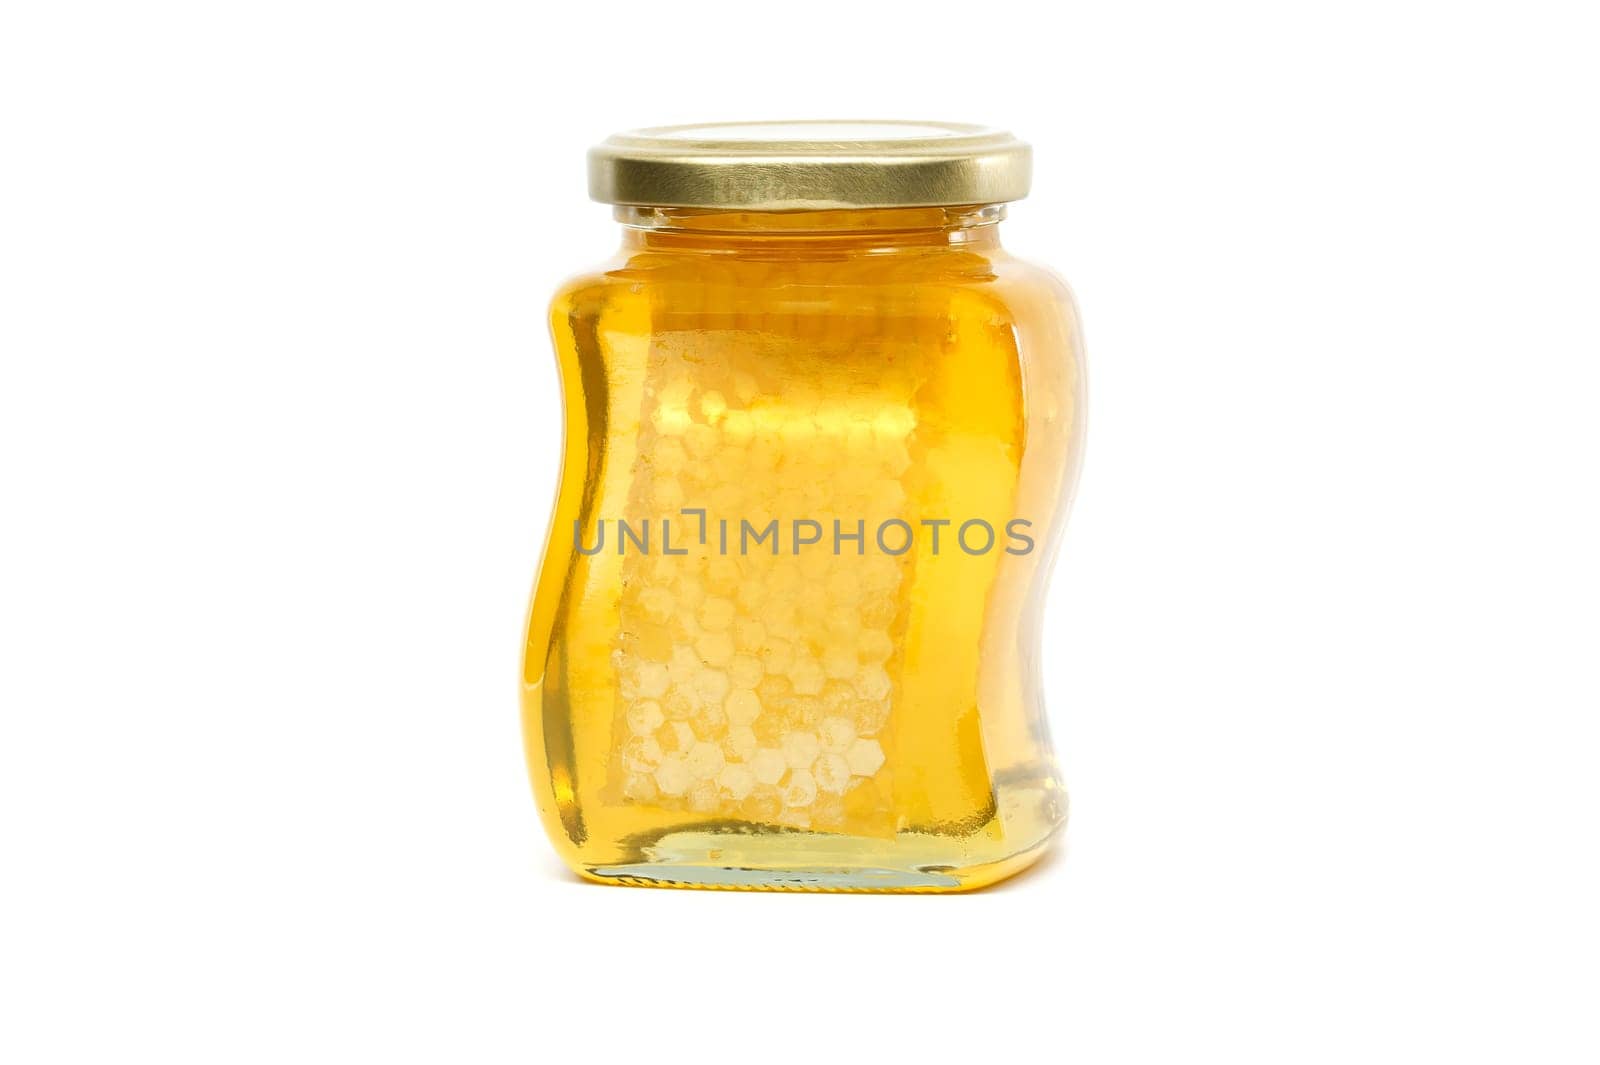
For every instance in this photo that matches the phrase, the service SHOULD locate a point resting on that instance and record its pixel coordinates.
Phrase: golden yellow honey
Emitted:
(786, 632)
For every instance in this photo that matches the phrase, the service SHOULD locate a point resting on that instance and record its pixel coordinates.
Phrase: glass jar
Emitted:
(821, 432)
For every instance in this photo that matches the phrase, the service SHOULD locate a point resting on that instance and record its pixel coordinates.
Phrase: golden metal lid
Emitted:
(810, 166)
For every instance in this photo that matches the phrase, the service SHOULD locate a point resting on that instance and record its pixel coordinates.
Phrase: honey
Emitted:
(816, 459)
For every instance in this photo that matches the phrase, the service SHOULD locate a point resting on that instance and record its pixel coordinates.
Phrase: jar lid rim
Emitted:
(810, 165)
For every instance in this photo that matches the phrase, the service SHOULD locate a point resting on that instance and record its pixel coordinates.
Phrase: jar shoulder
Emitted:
(991, 282)
(588, 287)
(1028, 290)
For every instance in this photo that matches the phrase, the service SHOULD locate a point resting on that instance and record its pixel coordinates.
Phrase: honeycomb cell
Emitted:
(711, 685)
(703, 796)
(657, 603)
(837, 733)
(713, 406)
(744, 671)
(828, 812)
(716, 615)
(678, 706)
(701, 440)
(804, 711)
(722, 577)
(641, 754)
(801, 789)
(704, 760)
(691, 592)
(737, 427)
(844, 624)
(749, 596)
(683, 666)
(774, 690)
(672, 775)
(768, 764)
(873, 682)
(742, 706)
(745, 387)
(865, 757)
(878, 613)
(800, 749)
(741, 743)
(669, 421)
(844, 588)
(763, 804)
(869, 716)
(749, 636)
(715, 649)
(794, 817)
(640, 787)
(710, 719)
(645, 716)
(836, 698)
(832, 773)
(736, 781)
(839, 661)
(682, 737)
(653, 680)
(806, 675)
(777, 656)
(874, 646)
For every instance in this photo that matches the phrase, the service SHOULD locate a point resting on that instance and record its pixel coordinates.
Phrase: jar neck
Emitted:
(697, 228)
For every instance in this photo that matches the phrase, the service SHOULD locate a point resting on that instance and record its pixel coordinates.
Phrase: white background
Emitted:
(278, 432)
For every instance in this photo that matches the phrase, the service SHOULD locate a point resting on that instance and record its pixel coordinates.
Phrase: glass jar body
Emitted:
(786, 631)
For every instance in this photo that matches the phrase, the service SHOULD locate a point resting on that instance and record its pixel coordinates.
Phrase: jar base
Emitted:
(743, 878)
(797, 860)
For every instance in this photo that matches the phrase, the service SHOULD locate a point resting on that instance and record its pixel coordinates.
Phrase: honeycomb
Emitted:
(757, 686)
